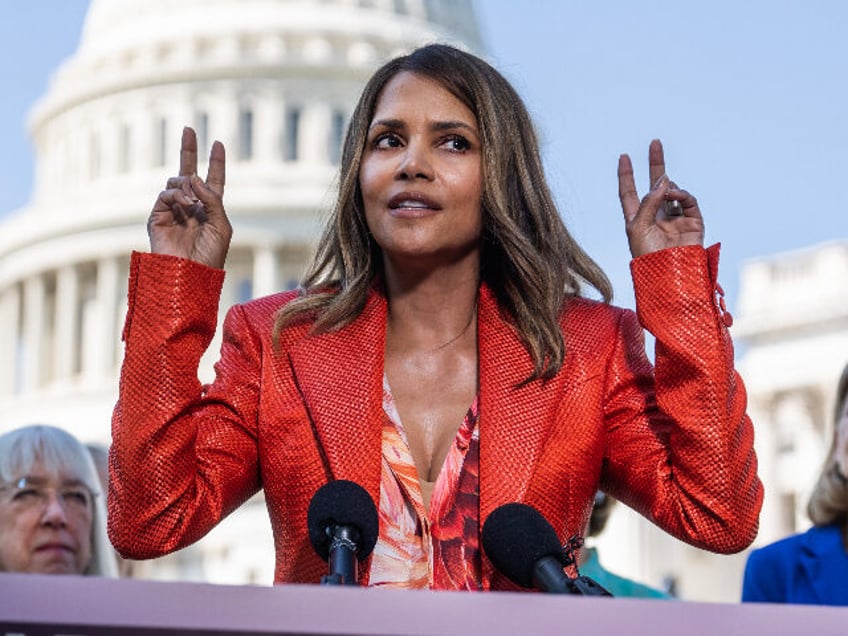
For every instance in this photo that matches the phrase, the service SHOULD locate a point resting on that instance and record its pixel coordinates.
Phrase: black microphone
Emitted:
(343, 527)
(521, 543)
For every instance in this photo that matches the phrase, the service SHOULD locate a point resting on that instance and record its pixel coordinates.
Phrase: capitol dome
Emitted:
(274, 80)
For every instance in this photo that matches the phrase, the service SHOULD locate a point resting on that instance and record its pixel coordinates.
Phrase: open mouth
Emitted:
(412, 201)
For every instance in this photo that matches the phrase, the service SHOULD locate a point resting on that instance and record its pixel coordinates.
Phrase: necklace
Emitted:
(462, 332)
(453, 339)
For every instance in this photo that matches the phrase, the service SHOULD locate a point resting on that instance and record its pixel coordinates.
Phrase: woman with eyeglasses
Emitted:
(52, 514)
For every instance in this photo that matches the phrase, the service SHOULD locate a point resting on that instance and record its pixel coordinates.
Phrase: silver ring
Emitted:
(673, 208)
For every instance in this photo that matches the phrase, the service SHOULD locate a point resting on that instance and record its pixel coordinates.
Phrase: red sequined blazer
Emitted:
(673, 442)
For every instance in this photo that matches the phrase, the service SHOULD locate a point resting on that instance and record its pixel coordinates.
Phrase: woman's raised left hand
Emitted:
(652, 223)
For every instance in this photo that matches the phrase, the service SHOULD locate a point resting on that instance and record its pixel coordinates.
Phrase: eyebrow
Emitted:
(26, 480)
(436, 126)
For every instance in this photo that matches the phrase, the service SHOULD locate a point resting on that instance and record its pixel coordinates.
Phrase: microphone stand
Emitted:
(342, 560)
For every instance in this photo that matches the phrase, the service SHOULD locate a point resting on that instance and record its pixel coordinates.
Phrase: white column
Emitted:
(268, 120)
(766, 446)
(143, 125)
(66, 347)
(120, 310)
(10, 307)
(797, 470)
(223, 117)
(180, 113)
(108, 274)
(265, 268)
(33, 332)
(314, 142)
(107, 306)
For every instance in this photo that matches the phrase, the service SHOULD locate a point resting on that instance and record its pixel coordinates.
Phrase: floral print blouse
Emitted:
(439, 550)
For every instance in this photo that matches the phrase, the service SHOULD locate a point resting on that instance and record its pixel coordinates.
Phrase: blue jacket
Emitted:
(809, 568)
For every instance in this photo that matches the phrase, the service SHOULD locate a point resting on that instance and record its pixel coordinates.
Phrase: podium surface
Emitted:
(39, 605)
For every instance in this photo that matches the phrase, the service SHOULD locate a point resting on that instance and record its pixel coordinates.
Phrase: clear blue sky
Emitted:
(749, 98)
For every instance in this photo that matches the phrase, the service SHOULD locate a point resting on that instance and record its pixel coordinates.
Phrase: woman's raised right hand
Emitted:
(188, 218)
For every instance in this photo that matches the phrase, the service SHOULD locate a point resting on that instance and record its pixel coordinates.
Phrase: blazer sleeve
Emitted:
(679, 442)
(181, 458)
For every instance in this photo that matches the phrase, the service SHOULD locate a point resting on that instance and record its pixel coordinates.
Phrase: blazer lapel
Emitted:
(340, 376)
(513, 420)
(819, 546)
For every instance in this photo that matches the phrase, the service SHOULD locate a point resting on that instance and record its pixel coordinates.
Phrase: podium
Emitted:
(40, 605)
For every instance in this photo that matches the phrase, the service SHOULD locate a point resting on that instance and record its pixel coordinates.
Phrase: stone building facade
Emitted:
(793, 328)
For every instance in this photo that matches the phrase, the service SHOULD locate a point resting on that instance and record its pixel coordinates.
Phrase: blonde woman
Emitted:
(812, 567)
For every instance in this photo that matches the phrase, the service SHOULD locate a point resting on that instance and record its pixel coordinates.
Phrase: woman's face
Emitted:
(421, 173)
(45, 524)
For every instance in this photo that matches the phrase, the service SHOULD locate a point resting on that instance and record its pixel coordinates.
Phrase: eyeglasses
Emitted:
(28, 493)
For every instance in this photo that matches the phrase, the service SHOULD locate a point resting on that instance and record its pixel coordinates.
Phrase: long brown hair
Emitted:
(829, 501)
(528, 258)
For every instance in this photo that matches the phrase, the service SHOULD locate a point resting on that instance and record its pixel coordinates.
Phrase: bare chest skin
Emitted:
(433, 391)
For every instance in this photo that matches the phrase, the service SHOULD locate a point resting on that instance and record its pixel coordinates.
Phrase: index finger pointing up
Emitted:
(188, 152)
(216, 175)
(627, 188)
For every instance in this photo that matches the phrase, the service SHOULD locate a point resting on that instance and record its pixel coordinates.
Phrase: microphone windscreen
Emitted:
(515, 537)
(342, 503)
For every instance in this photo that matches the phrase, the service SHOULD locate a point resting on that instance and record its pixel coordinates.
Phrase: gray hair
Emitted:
(829, 501)
(60, 451)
